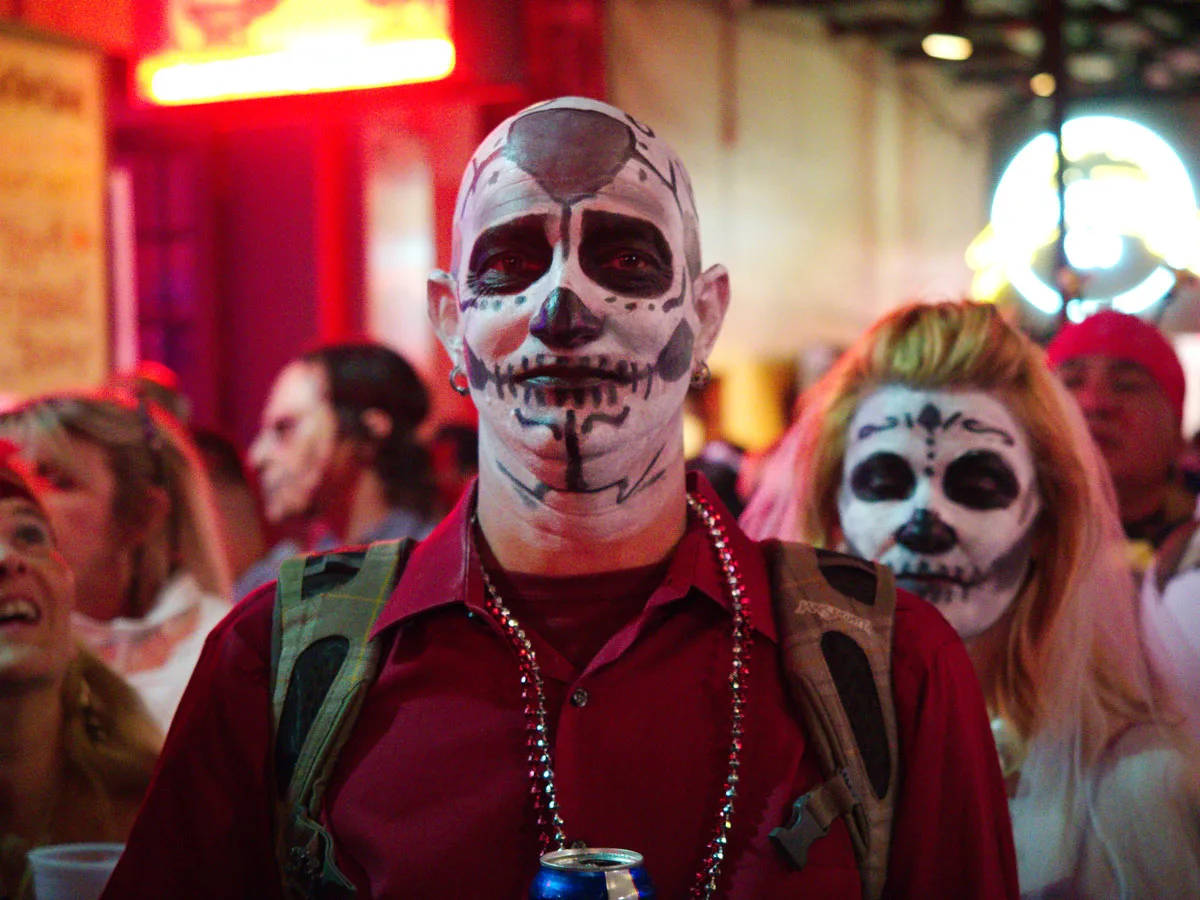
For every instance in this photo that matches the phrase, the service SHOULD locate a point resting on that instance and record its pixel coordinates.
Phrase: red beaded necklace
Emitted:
(552, 834)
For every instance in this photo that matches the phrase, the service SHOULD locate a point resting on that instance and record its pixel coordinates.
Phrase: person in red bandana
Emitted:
(1129, 384)
(585, 651)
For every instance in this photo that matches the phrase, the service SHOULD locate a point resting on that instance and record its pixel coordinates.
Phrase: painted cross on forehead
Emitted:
(575, 257)
(941, 487)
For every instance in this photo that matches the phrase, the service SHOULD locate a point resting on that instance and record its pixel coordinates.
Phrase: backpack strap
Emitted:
(322, 663)
(835, 615)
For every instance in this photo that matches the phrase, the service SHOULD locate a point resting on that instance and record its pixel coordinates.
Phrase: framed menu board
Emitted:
(53, 298)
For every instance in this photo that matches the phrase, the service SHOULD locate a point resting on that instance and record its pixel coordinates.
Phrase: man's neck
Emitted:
(31, 721)
(368, 507)
(359, 509)
(579, 533)
(1139, 501)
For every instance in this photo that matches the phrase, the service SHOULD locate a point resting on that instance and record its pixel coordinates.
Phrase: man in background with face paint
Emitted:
(941, 445)
(584, 652)
(337, 456)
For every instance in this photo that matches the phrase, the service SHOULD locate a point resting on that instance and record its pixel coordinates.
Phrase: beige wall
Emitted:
(848, 184)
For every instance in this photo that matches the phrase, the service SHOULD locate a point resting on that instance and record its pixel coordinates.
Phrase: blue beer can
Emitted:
(592, 873)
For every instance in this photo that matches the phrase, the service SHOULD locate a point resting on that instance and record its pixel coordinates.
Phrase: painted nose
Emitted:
(926, 533)
(565, 322)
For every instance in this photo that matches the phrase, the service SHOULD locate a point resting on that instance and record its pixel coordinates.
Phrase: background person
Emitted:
(337, 456)
(1129, 384)
(941, 445)
(132, 508)
(77, 746)
(237, 500)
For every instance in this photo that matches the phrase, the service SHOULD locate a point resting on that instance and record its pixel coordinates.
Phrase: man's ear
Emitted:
(444, 313)
(712, 300)
(377, 423)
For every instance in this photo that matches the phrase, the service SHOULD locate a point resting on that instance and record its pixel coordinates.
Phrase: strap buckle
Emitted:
(800, 832)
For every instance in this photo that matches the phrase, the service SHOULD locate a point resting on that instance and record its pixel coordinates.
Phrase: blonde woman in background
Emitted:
(132, 508)
(77, 746)
(941, 445)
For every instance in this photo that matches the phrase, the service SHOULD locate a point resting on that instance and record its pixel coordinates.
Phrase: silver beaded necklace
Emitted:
(551, 831)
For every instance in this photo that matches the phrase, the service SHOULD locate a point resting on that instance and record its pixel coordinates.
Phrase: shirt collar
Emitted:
(443, 569)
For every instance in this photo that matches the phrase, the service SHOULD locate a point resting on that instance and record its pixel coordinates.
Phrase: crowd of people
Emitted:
(948, 645)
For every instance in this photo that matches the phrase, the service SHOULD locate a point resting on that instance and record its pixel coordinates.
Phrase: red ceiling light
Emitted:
(222, 50)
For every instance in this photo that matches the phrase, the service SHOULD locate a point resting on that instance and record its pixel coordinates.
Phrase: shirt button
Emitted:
(579, 698)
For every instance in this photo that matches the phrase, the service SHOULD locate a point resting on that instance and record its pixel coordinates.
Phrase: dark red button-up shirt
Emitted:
(431, 795)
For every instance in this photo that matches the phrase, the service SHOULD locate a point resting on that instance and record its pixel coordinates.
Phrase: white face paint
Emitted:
(576, 259)
(940, 486)
(295, 445)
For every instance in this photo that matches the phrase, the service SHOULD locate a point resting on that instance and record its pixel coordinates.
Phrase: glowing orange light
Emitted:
(303, 48)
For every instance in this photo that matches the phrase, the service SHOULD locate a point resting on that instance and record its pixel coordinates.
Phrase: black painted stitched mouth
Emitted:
(570, 375)
(940, 575)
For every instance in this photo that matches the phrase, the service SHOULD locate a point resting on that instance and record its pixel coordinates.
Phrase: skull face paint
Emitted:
(575, 256)
(941, 487)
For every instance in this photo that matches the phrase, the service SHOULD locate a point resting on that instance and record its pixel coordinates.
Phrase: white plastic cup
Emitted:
(72, 871)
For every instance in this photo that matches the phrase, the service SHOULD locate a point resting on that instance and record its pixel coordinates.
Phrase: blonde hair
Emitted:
(969, 346)
(147, 450)
(110, 738)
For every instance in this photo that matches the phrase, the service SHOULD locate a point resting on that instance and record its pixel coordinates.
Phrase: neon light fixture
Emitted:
(299, 47)
(1131, 219)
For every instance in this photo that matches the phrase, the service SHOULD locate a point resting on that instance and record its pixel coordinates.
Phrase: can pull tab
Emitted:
(812, 814)
(619, 885)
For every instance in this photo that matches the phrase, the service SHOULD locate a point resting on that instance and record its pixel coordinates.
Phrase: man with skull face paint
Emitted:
(577, 314)
(941, 445)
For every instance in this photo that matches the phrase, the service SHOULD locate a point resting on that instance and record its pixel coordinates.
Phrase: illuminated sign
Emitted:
(1131, 217)
(233, 49)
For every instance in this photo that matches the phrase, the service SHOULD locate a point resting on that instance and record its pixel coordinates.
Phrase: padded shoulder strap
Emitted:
(322, 664)
(835, 615)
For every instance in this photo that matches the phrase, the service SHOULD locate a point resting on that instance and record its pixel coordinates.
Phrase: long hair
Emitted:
(111, 740)
(1071, 660)
(146, 450)
(364, 375)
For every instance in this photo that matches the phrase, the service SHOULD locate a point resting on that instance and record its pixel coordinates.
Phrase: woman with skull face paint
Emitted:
(941, 445)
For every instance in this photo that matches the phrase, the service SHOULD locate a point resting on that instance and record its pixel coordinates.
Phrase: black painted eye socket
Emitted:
(981, 479)
(508, 258)
(883, 476)
(506, 273)
(626, 255)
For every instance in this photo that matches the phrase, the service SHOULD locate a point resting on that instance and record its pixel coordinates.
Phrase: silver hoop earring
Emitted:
(701, 376)
(461, 387)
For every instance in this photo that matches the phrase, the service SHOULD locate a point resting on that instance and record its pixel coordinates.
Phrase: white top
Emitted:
(157, 653)
(1171, 624)
(1136, 835)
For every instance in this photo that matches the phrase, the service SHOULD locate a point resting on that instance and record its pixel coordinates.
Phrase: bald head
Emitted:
(573, 149)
